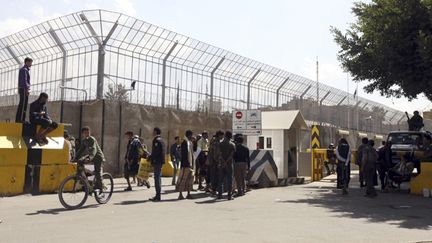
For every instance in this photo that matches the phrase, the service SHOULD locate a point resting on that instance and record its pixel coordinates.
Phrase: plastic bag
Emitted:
(145, 168)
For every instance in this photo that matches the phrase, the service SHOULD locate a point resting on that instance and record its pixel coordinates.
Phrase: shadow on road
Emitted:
(131, 202)
(56, 211)
(395, 208)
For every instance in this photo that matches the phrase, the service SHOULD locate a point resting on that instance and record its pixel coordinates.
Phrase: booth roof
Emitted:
(283, 120)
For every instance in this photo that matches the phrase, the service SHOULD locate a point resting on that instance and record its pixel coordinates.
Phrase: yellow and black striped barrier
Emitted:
(315, 139)
(318, 158)
(25, 166)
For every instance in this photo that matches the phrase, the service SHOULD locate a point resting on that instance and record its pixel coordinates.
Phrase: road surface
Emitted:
(314, 212)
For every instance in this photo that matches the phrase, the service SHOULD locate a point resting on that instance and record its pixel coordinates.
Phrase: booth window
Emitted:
(269, 143)
(260, 144)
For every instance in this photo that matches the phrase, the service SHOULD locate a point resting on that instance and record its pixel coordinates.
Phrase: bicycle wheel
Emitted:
(73, 192)
(104, 196)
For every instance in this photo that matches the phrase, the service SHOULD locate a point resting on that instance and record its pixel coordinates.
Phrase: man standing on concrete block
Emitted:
(23, 90)
(157, 159)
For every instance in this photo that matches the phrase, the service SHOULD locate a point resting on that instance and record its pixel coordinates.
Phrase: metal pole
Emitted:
(212, 82)
(76, 89)
(357, 117)
(342, 100)
(317, 89)
(320, 105)
(278, 91)
(302, 95)
(64, 60)
(164, 72)
(249, 87)
(15, 57)
(398, 123)
(101, 53)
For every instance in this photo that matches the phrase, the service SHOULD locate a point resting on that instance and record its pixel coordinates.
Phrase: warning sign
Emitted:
(315, 139)
(247, 122)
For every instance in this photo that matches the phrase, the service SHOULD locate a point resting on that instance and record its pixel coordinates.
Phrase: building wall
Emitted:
(110, 120)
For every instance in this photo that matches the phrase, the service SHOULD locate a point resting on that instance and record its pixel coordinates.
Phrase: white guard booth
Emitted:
(281, 134)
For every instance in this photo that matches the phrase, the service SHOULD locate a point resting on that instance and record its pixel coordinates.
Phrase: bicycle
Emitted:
(74, 190)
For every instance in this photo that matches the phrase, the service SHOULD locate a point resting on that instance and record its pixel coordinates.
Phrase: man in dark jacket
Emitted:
(384, 163)
(39, 116)
(186, 178)
(241, 165)
(369, 160)
(343, 155)
(132, 158)
(157, 158)
(23, 90)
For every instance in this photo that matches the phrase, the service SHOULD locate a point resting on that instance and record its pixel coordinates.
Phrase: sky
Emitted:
(288, 34)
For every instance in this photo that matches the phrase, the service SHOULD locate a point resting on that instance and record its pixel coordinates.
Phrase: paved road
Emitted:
(306, 213)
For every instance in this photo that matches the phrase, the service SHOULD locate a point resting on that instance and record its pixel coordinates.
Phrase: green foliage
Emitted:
(117, 92)
(390, 46)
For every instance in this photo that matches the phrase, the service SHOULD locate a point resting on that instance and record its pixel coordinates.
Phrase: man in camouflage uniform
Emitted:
(90, 147)
(213, 159)
(225, 165)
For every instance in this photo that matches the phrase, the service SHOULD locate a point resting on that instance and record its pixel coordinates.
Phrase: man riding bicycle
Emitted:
(90, 152)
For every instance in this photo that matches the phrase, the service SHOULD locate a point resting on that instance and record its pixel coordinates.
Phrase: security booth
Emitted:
(282, 132)
(378, 139)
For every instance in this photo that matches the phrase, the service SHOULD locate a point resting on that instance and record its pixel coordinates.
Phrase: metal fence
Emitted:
(96, 50)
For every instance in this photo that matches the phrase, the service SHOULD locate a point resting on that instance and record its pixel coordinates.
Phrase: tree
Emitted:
(117, 92)
(390, 46)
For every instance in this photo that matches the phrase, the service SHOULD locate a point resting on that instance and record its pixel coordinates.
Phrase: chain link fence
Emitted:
(87, 54)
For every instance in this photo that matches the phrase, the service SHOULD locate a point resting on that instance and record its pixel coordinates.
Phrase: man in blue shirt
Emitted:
(23, 90)
(39, 116)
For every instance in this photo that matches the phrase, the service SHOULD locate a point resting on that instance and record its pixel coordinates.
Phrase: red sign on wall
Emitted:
(239, 115)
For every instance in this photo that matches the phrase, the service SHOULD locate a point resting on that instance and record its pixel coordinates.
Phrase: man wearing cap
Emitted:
(132, 158)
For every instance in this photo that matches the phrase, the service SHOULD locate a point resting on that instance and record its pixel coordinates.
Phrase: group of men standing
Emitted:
(216, 161)
(195, 159)
(369, 160)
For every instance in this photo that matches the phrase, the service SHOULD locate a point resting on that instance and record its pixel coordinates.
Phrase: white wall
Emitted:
(278, 148)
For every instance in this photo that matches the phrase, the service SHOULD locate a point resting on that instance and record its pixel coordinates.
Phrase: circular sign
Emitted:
(239, 114)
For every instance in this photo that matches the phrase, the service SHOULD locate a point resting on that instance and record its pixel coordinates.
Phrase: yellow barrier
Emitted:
(51, 176)
(12, 179)
(424, 180)
(25, 166)
(318, 158)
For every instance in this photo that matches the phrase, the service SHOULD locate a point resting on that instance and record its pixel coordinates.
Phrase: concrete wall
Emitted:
(110, 120)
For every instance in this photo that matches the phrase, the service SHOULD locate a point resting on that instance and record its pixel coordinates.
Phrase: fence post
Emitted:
(249, 87)
(164, 72)
(212, 83)
(278, 91)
